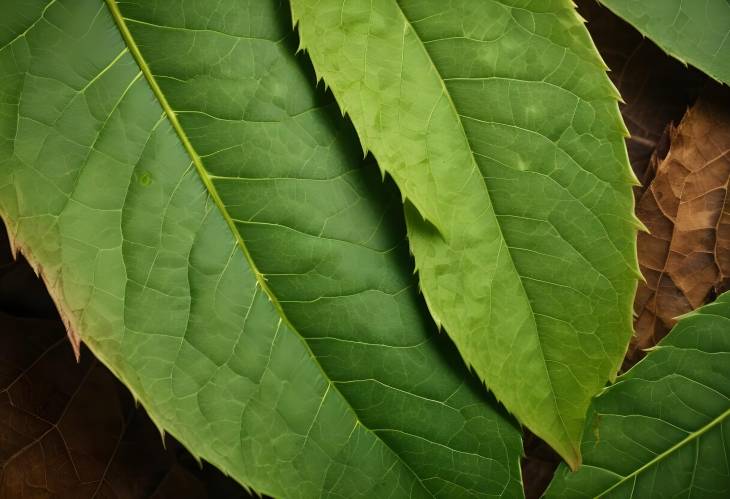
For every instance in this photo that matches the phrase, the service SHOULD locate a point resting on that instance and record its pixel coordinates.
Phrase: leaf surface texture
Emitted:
(204, 222)
(501, 129)
(655, 88)
(662, 429)
(694, 31)
(684, 257)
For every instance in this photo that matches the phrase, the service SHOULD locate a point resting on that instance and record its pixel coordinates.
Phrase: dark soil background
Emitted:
(70, 430)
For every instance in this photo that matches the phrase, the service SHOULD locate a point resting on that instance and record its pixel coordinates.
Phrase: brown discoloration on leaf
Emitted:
(66, 318)
(685, 258)
(16, 251)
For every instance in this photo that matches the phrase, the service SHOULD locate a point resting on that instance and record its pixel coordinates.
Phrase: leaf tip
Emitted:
(572, 457)
(634, 180)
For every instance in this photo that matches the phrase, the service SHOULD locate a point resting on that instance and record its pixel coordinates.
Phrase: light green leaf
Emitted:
(694, 31)
(499, 125)
(663, 429)
(204, 222)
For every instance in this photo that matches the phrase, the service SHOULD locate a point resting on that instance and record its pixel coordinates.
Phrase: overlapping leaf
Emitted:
(501, 129)
(662, 429)
(69, 430)
(201, 217)
(656, 89)
(694, 31)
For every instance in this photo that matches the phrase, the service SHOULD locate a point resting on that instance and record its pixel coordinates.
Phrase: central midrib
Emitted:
(213, 192)
(689, 438)
(501, 232)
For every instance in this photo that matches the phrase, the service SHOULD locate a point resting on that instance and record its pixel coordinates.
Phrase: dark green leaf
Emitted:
(663, 430)
(203, 220)
(498, 123)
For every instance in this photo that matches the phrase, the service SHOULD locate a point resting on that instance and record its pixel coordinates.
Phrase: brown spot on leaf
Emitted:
(685, 258)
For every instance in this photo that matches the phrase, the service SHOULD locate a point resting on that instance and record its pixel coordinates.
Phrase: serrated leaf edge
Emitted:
(631, 180)
(213, 192)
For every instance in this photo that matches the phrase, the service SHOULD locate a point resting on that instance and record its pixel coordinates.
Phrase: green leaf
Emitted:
(204, 222)
(499, 125)
(662, 429)
(695, 31)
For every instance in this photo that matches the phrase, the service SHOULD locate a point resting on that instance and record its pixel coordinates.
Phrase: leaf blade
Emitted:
(512, 161)
(99, 190)
(693, 32)
(666, 418)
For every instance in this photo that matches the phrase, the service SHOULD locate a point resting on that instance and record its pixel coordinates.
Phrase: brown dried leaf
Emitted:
(685, 258)
(71, 430)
